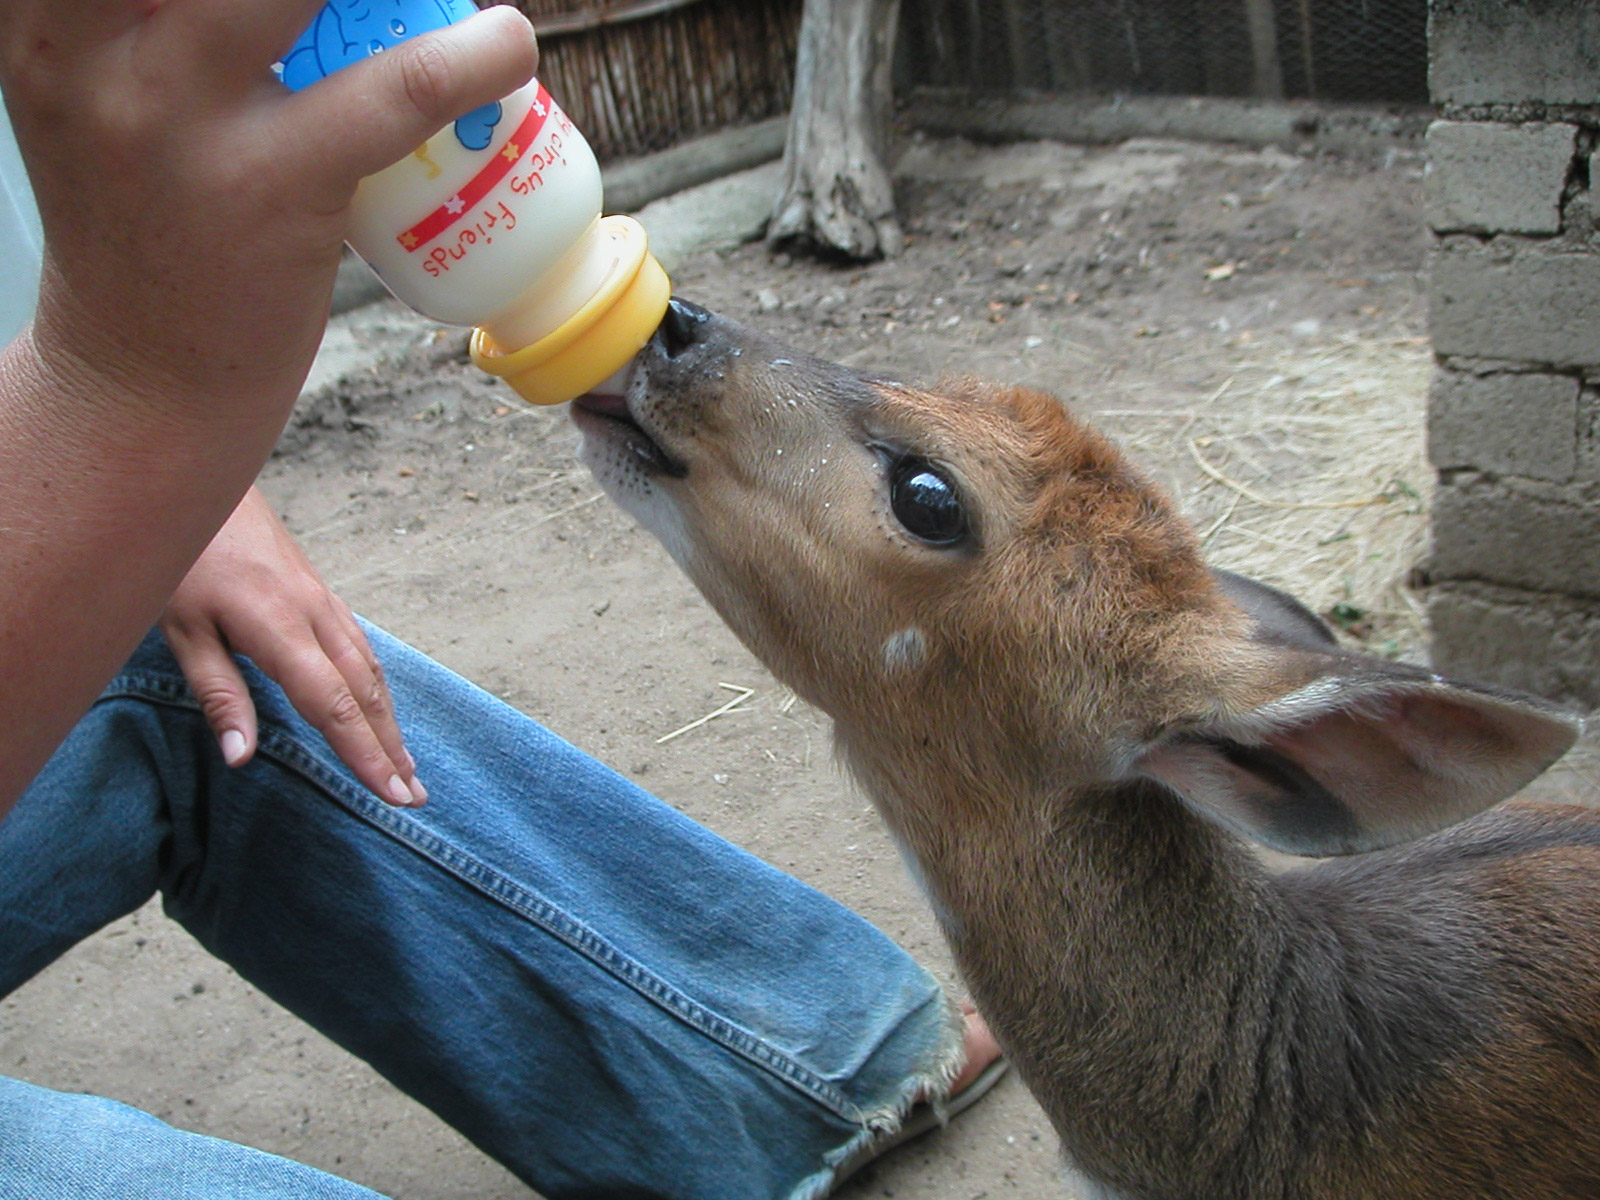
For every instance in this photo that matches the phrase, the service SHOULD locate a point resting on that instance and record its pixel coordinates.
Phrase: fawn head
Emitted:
(998, 610)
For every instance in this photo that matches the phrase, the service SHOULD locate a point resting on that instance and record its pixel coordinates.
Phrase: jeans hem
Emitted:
(881, 1124)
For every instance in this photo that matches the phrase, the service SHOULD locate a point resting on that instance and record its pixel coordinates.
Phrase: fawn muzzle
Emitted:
(630, 426)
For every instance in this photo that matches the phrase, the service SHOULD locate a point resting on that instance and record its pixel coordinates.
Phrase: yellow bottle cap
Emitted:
(596, 341)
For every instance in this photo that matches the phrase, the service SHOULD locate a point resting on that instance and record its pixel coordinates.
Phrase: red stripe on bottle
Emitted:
(481, 184)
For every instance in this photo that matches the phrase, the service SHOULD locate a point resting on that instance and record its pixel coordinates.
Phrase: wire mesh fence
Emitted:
(638, 75)
(1349, 50)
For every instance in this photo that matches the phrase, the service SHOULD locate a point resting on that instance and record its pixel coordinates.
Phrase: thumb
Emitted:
(218, 685)
(370, 115)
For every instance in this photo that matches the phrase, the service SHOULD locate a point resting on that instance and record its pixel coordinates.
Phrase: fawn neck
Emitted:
(1180, 1013)
(1151, 981)
(1083, 916)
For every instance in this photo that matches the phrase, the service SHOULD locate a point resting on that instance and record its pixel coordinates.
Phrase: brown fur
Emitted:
(1066, 745)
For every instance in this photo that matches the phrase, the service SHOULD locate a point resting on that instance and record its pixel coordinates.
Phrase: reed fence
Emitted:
(641, 75)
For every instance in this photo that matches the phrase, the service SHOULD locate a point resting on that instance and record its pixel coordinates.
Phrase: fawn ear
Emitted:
(1353, 753)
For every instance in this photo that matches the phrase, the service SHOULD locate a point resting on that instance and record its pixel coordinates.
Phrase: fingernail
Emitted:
(233, 747)
(418, 792)
(399, 792)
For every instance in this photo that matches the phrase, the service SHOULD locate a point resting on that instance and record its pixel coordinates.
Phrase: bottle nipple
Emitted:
(598, 340)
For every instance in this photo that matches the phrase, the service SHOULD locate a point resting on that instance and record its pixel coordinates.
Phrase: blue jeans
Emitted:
(601, 994)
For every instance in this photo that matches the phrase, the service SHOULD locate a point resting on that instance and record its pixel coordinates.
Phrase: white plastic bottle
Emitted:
(495, 221)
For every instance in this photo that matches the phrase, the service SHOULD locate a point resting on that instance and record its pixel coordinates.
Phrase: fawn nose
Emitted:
(681, 327)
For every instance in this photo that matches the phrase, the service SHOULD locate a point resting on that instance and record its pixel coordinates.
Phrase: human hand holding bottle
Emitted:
(193, 208)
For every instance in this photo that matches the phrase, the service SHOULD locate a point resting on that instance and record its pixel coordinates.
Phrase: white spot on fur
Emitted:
(905, 651)
(1086, 1186)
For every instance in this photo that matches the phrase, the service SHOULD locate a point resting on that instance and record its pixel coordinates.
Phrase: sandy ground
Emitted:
(1250, 322)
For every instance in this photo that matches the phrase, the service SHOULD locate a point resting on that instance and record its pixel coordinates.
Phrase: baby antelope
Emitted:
(1072, 725)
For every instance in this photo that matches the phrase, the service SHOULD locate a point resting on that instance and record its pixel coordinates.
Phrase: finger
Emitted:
(218, 685)
(372, 114)
(349, 651)
(320, 694)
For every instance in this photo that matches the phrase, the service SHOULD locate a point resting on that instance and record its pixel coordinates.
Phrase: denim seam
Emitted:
(284, 749)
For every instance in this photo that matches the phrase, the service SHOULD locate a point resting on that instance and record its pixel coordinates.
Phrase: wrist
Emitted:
(180, 360)
(120, 441)
(85, 383)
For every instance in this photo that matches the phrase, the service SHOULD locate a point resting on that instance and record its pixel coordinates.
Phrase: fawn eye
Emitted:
(926, 502)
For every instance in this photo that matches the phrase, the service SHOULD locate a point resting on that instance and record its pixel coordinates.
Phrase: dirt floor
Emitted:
(1250, 322)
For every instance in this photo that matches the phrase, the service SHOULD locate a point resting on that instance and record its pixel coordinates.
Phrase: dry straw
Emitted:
(1306, 468)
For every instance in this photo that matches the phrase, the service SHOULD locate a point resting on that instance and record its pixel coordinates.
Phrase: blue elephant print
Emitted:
(346, 31)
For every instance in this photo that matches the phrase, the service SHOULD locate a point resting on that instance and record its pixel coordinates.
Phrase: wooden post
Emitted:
(1308, 56)
(837, 194)
(1264, 49)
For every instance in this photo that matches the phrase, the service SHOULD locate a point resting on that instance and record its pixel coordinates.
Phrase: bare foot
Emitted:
(981, 1049)
(982, 1052)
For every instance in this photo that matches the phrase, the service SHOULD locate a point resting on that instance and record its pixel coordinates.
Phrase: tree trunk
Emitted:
(837, 194)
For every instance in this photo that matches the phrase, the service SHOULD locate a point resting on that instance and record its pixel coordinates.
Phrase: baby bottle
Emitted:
(495, 221)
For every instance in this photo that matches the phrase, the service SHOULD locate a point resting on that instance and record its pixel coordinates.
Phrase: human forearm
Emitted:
(99, 520)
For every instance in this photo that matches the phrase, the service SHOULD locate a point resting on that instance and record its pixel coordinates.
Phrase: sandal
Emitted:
(923, 1119)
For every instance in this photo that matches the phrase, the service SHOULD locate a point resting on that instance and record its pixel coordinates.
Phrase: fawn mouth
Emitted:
(610, 419)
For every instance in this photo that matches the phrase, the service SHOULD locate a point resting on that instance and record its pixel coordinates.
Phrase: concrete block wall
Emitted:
(1514, 412)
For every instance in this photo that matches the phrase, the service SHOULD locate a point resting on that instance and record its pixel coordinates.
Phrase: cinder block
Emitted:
(1539, 644)
(1486, 177)
(1530, 306)
(1484, 529)
(1508, 424)
(1514, 51)
(1588, 440)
